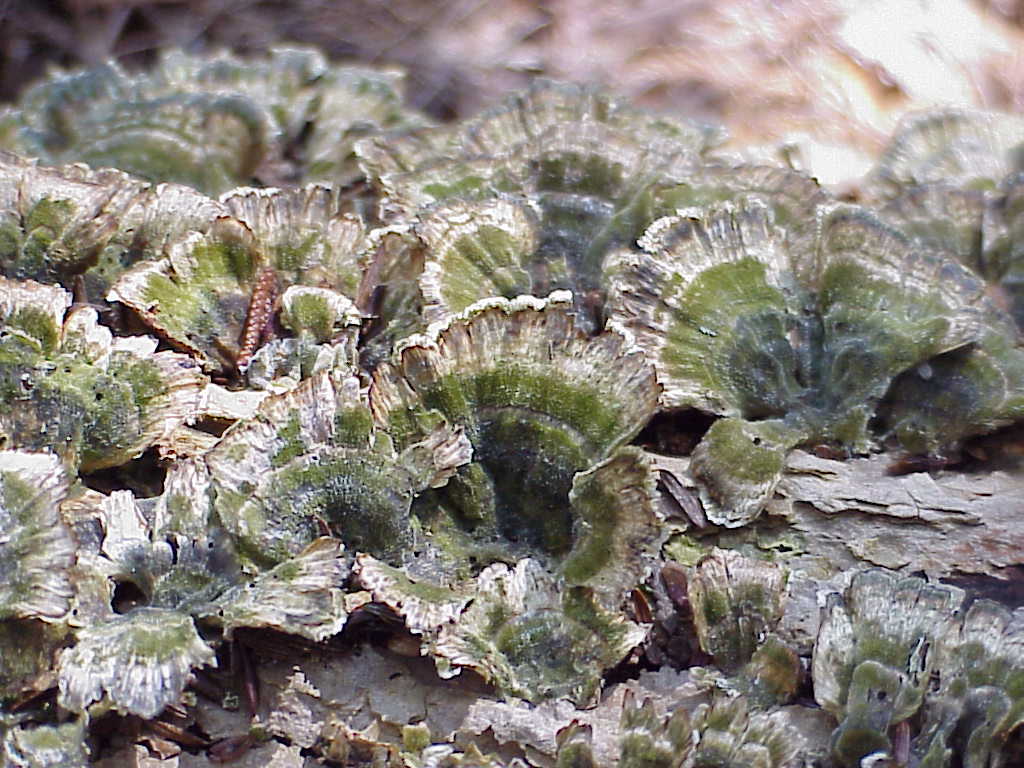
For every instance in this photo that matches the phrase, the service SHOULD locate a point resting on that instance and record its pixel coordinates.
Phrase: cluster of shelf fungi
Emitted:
(560, 436)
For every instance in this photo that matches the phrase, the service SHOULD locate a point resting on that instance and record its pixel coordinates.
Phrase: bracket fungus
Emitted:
(311, 461)
(875, 654)
(529, 197)
(952, 179)
(979, 702)
(210, 122)
(70, 386)
(736, 602)
(419, 505)
(214, 292)
(36, 548)
(797, 342)
(540, 402)
(735, 737)
(534, 638)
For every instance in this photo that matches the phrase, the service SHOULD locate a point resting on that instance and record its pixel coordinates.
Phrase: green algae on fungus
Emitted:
(45, 746)
(978, 703)
(528, 198)
(424, 606)
(533, 639)
(731, 736)
(210, 122)
(165, 565)
(736, 602)
(141, 658)
(312, 461)
(305, 234)
(68, 385)
(479, 250)
(82, 227)
(650, 741)
(36, 547)
(141, 661)
(181, 567)
(616, 535)
(798, 346)
(960, 147)
(301, 596)
(646, 739)
(214, 293)
(877, 649)
(539, 401)
(324, 325)
(952, 179)
(320, 313)
(547, 410)
(553, 137)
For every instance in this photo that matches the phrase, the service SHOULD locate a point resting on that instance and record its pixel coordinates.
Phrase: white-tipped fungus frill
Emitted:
(731, 736)
(534, 639)
(736, 602)
(216, 294)
(796, 346)
(648, 740)
(539, 400)
(311, 462)
(211, 122)
(140, 661)
(75, 389)
(301, 596)
(36, 547)
(876, 650)
(83, 227)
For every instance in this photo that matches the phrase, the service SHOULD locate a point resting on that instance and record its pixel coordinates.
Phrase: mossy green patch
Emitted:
(27, 648)
(106, 408)
(291, 444)
(353, 427)
(487, 262)
(716, 606)
(287, 571)
(360, 499)
(875, 330)
(738, 450)
(582, 174)
(310, 313)
(48, 218)
(421, 590)
(293, 257)
(685, 550)
(598, 511)
(579, 606)
(11, 238)
(37, 324)
(210, 306)
(511, 385)
(729, 335)
(466, 187)
(159, 642)
(531, 464)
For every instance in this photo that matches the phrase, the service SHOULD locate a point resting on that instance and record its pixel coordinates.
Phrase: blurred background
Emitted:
(826, 77)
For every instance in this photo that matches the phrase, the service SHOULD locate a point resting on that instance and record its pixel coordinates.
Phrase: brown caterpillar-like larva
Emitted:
(261, 309)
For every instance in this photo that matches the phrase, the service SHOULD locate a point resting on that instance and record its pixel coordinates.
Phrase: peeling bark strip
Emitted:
(851, 513)
(838, 515)
(261, 310)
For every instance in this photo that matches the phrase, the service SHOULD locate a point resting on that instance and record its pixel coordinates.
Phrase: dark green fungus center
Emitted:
(531, 460)
(531, 433)
(354, 498)
(539, 647)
